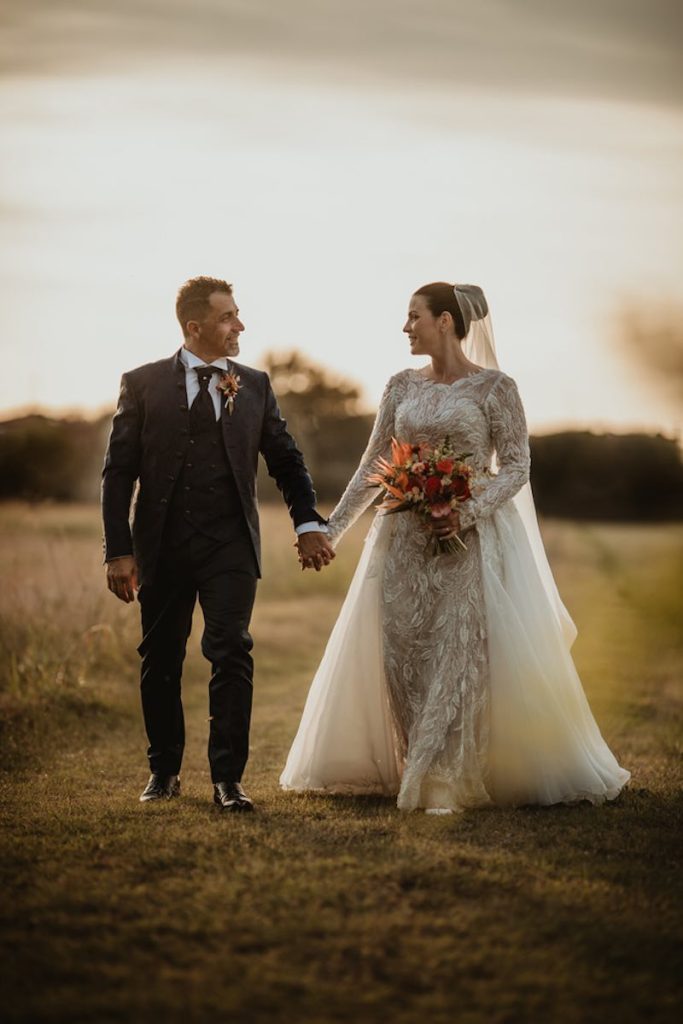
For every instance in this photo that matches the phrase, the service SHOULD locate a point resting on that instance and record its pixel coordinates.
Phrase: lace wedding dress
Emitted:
(447, 679)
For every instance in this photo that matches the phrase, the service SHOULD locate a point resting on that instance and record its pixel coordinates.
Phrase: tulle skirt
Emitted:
(543, 746)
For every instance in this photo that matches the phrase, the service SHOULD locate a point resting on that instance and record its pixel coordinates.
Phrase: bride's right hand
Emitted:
(445, 527)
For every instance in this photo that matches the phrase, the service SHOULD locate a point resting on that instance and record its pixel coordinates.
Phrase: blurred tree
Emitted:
(579, 475)
(322, 412)
(44, 458)
(651, 337)
(310, 392)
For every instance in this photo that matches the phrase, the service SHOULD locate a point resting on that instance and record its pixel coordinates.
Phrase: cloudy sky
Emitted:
(329, 158)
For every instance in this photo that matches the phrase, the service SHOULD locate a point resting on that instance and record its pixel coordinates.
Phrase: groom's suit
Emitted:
(195, 532)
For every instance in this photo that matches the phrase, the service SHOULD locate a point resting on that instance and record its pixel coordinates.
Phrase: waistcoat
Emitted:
(205, 498)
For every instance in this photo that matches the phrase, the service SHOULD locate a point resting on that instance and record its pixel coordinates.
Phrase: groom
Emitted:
(189, 430)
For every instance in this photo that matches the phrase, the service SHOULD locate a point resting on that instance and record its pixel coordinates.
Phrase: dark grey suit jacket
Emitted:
(148, 444)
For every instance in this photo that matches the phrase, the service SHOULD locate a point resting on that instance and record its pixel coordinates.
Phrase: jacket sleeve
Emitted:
(121, 470)
(286, 463)
(510, 438)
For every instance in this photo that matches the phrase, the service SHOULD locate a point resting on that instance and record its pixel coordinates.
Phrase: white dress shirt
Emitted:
(190, 361)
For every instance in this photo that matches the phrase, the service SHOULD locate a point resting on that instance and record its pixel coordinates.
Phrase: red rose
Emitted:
(445, 466)
(432, 487)
(461, 488)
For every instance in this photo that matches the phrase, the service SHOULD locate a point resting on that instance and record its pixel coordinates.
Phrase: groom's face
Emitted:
(219, 332)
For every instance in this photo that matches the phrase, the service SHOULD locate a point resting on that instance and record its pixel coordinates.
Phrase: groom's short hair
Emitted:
(192, 302)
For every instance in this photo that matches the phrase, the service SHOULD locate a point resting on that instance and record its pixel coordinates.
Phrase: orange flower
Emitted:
(229, 385)
(391, 505)
(400, 452)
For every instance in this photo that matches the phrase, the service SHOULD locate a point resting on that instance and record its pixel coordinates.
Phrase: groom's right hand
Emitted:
(122, 577)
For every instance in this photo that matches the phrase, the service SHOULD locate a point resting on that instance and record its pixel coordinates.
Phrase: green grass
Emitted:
(316, 908)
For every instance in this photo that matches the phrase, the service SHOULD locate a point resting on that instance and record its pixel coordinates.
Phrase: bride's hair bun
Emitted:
(441, 298)
(465, 303)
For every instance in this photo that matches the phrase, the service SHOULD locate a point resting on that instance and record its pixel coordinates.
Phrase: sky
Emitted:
(328, 159)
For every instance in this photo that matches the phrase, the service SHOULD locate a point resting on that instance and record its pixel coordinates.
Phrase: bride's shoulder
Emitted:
(500, 392)
(497, 381)
(398, 381)
(403, 375)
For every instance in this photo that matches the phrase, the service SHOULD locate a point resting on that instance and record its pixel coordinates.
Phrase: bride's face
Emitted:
(422, 327)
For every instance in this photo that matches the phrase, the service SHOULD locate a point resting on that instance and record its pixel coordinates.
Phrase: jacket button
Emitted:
(164, 501)
(189, 465)
(170, 477)
(183, 407)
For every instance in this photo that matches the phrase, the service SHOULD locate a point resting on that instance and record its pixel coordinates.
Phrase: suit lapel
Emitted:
(237, 425)
(243, 405)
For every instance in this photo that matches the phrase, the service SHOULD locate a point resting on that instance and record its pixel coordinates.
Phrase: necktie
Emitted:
(202, 410)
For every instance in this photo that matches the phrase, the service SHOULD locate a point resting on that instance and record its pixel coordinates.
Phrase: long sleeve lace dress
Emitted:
(447, 680)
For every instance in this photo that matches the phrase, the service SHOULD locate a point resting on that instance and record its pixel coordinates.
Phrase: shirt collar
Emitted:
(190, 360)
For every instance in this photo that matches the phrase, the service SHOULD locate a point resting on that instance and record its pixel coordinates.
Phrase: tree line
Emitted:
(575, 474)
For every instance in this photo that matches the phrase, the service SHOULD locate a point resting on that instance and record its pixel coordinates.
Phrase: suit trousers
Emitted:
(223, 576)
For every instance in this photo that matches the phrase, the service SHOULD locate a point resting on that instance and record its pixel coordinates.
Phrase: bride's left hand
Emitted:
(445, 527)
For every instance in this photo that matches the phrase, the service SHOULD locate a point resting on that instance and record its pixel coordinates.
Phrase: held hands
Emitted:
(314, 549)
(122, 577)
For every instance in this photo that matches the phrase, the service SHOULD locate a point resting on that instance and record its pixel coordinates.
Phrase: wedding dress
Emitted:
(447, 680)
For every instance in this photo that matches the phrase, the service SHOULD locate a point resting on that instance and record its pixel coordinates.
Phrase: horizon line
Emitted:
(600, 427)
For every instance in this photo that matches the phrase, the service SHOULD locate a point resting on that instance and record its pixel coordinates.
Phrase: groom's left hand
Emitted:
(315, 550)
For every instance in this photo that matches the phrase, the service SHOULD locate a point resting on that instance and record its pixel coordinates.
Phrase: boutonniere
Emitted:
(229, 384)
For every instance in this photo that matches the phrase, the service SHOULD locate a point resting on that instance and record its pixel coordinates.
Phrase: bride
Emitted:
(447, 680)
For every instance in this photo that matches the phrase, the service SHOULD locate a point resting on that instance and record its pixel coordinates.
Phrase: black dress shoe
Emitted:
(160, 787)
(231, 797)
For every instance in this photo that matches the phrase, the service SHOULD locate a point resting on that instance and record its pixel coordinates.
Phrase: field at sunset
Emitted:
(328, 160)
(322, 909)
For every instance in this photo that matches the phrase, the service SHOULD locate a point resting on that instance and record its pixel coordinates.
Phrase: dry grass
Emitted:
(321, 908)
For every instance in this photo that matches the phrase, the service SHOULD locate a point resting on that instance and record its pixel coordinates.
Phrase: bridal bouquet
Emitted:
(429, 481)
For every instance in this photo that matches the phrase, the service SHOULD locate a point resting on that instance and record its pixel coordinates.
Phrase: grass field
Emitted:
(322, 909)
